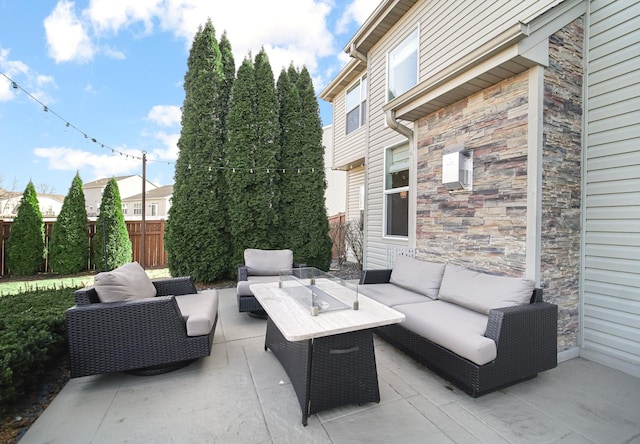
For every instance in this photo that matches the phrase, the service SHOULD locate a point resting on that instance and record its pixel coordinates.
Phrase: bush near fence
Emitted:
(155, 253)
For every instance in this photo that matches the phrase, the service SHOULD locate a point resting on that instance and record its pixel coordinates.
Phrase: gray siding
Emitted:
(347, 147)
(611, 276)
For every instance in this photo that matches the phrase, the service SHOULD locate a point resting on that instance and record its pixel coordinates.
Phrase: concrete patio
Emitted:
(241, 394)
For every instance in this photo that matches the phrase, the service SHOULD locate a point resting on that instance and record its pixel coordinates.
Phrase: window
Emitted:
(396, 190)
(124, 208)
(402, 66)
(154, 209)
(356, 105)
(137, 208)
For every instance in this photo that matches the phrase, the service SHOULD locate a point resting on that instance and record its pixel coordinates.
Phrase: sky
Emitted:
(99, 82)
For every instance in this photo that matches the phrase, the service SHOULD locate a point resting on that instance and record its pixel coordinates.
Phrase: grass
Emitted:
(16, 285)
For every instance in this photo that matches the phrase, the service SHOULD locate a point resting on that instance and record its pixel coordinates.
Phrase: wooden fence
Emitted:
(155, 253)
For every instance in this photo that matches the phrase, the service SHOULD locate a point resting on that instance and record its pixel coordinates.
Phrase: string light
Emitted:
(114, 151)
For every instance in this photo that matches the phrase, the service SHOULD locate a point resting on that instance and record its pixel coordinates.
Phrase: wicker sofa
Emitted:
(126, 322)
(260, 266)
(481, 332)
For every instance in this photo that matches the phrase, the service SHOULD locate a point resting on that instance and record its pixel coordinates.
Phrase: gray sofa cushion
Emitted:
(243, 288)
(451, 326)
(199, 311)
(125, 283)
(390, 294)
(267, 262)
(482, 292)
(420, 276)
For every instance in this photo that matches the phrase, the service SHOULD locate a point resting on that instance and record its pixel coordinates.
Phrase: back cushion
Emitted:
(267, 262)
(420, 276)
(125, 283)
(481, 292)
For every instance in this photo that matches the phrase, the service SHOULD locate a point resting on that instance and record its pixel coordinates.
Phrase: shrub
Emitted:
(25, 246)
(111, 243)
(32, 336)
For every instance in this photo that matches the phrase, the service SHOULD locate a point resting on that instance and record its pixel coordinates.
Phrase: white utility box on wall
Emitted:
(457, 168)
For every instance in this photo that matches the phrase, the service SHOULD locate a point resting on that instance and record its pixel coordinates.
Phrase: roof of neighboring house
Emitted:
(156, 193)
(99, 183)
(5, 194)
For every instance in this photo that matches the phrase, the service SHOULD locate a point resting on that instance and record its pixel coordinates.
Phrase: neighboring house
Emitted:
(127, 185)
(335, 195)
(157, 200)
(50, 204)
(504, 137)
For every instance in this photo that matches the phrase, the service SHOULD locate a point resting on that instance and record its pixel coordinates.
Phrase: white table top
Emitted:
(296, 323)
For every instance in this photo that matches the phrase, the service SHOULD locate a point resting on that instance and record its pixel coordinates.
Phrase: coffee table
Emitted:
(329, 357)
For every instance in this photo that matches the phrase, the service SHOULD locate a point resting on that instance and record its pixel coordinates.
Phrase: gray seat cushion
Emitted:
(420, 276)
(199, 311)
(481, 291)
(125, 283)
(267, 262)
(243, 286)
(456, 328)
(391, 295)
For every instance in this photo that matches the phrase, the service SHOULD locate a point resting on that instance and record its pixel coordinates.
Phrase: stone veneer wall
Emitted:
(561, 180)
(485, 229)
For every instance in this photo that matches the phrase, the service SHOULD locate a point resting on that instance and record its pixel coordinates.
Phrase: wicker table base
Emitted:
(328, 371)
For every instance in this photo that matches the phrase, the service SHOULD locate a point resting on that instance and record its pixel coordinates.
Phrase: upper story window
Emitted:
(124, 208)
(154, 209)
(402, 66)
(137, 209)
(356, 105)
(396, 190)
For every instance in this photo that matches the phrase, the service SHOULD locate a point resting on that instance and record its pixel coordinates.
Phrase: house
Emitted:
(505, 137)
(335, 198)
(50, 204)
(127, 185)
(157, 200)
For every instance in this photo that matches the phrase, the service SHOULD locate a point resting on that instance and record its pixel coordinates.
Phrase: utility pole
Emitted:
(143, 225)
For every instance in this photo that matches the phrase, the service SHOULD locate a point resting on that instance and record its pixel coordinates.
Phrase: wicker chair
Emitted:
(260, 266)
(144, 336)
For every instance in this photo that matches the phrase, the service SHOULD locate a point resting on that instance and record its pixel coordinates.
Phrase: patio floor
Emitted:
(241, 394)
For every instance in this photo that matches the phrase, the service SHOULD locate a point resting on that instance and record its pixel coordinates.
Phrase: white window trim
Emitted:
(386, 75)
(386, 192)
(365, 98)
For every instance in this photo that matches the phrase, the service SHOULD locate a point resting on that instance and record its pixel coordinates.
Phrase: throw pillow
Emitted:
(420, 276)
(125, 283)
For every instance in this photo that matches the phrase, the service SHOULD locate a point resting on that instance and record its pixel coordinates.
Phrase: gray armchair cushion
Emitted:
(199, 311)
(267, 262)
(481, 292)
(420, 276)
(125, 283)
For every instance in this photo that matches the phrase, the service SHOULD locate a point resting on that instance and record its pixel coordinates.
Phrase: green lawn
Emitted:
(44, 281)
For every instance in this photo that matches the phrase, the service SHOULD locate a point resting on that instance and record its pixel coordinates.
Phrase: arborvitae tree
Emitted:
(25, 247)
(111, 241)
(307, 225)
(253, 154)
(69, 242)
(229, 71)
(196, 239)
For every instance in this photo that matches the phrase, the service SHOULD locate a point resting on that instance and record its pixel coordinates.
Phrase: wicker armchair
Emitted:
(146, 335)
(260, 266)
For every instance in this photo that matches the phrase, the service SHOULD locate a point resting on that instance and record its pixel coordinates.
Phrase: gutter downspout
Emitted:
(353, 52)
(390, 117)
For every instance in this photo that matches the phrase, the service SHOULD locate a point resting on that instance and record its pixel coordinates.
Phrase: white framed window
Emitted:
(124, 208)
(137, 209)
(402, 66)
(396, 191)
(356, 105)
(154, 209)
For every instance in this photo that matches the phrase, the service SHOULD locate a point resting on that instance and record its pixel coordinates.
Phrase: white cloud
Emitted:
(111, 15)
(169, 151)
(25, 77)
(357, 12)
(67, 37)
(98, 165)
(165, 115)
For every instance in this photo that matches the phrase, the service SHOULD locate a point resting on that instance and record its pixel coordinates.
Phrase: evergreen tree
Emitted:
(25, 247)
(69, 242)
(253, 151)
(195, 236)
(111, 241)
(229, 76)
(306, 221)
